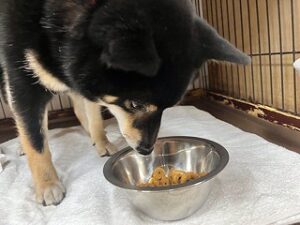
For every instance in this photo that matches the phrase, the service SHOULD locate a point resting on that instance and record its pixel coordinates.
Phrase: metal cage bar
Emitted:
(269, 34)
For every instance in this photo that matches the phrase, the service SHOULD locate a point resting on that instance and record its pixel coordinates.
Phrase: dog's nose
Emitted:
(143, 150)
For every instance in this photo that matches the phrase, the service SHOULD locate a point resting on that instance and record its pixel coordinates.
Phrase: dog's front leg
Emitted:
(96, 129)
(28, 103)
(79, 110)
(33, 136)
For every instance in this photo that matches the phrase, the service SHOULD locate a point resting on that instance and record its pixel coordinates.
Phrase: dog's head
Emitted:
(136, 57)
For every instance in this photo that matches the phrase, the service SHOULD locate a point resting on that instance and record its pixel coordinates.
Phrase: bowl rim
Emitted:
(224, 159)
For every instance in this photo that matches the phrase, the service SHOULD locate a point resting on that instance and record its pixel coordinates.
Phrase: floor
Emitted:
(274, 133)
(57, 119)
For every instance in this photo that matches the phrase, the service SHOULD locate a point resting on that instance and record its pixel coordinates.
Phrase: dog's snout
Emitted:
(148, 127)
(145, 149)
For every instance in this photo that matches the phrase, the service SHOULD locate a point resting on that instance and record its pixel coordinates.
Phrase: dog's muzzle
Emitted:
(145, 150)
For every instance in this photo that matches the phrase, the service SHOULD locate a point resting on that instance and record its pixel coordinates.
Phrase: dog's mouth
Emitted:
(144, 151)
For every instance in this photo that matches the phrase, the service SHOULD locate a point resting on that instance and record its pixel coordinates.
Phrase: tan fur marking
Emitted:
(79, 109)
(95, 121)
(96, 128)
(45, 77)
(7, 89)
(42, 169)
(151, 108)
(40, 164)
(125, 120)
(110, 99)
(90, 118)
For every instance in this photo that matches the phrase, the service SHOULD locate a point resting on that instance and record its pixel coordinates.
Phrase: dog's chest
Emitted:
(45, 77)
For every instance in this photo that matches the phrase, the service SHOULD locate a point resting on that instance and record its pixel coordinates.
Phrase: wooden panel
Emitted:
(65, 101)
(274, 28)
(256, 79)
(233, 39)
(204, 9)
(286, 25)
(297, 19)
(288, 83)
(277, 84)
(262, 26)
(297, 88)
(2, 113)
(269, 31)
(5, 111)
(253, 21)
(219, 26)
(266, 79)
(58, 103)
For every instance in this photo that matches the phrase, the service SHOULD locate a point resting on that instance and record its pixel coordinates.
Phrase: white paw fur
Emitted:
(105, 148)
(51, 195)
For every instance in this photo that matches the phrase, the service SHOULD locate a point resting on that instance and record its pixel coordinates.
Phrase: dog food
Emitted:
(160, 178)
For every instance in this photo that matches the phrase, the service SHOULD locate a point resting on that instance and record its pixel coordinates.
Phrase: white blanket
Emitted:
(2, 160)
(260, 185)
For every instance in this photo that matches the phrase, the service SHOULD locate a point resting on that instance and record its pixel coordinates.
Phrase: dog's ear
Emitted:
(210, 45)
(135, 53)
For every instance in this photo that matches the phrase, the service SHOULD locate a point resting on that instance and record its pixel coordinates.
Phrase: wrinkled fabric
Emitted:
(260, 185)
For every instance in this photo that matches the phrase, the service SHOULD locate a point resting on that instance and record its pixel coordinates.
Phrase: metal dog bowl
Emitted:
(128, 168)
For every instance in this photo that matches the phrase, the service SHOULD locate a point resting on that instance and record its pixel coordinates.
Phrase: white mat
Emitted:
(260, 185)
(2, 160)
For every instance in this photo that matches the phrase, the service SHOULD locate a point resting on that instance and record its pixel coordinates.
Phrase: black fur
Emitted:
(149, 127)
(144, 50)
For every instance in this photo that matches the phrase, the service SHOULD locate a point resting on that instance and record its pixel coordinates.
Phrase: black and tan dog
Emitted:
(135, 57)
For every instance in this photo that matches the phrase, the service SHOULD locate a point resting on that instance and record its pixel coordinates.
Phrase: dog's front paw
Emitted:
(51, 194)
(106, 148)
(111, 148)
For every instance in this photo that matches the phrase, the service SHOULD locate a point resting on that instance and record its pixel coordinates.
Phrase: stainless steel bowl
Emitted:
(127, 168)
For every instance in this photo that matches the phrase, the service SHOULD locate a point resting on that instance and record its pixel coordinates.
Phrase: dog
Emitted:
(135, 57)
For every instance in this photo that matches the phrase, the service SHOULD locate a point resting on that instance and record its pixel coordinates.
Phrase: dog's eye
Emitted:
(137, 105)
